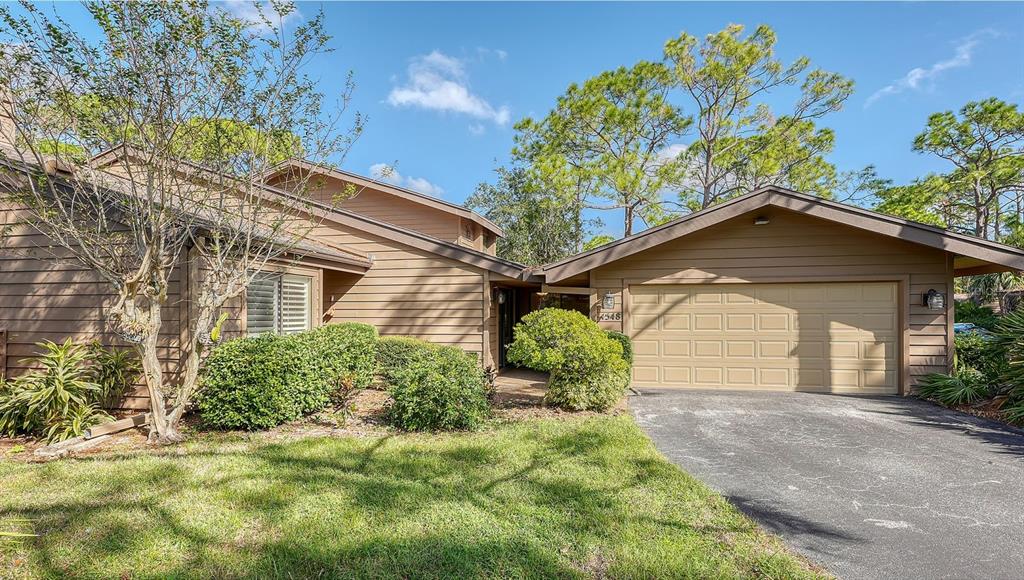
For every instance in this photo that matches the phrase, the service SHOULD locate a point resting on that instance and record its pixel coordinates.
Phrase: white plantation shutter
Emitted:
(279, 304)
(295, 303)
(261, 300)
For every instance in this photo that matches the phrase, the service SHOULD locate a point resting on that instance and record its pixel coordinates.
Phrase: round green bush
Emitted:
(627, 345)
(397, 353)
(447, 390)
(542, 338)
(588, 368)
(257, 383)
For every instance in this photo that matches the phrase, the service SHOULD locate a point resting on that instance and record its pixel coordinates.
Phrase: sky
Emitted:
(442, 84)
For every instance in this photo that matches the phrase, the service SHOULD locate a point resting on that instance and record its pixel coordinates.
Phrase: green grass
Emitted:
(541, 498)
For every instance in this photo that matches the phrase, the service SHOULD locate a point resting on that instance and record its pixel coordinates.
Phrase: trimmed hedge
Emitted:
(260, 382)
(345, 352)
(397, 353)
(589, 369)
(445, 390)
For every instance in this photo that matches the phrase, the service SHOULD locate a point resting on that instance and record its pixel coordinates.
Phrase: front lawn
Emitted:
(539, 498)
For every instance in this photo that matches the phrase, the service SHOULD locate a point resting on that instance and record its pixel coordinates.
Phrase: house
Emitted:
(771, 290)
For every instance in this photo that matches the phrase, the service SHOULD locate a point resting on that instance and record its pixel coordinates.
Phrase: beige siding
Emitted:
(792, 248)
(384, 207)
(46, 296)
(406, 291)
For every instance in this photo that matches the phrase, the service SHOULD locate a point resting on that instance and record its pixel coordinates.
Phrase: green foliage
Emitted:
(627, 345)
(257, 383)
(343, 353)
(1014, 413)
(983, 316)
(984, 355)
(447, 390)
(740, 144)
(114, 371)
(540, 225)
(606, 140)
(597, 241)
(260, 382)
(397, 353)
(984, 147)
(56, 401)
(588, 368)
(543, 338)
(965, 385)
(1010, 337)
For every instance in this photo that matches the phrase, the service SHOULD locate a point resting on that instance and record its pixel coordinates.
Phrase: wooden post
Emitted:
(3, 353)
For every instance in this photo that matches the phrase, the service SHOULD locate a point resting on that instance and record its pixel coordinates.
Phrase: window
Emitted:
(278, 303)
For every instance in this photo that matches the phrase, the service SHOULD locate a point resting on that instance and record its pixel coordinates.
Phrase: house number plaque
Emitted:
(607, 316)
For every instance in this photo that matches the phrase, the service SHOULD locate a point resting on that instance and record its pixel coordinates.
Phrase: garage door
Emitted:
(835, 337)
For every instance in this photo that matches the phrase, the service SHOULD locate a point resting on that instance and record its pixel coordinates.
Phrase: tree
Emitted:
(739, 143)
(985, 146)
(166, 80)
(605, 140)
(539, 227)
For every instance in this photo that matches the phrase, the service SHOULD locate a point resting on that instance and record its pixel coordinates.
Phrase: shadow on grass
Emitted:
(531, 502)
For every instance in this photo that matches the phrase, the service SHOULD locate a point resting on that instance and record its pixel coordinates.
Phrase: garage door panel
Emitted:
(840, 337)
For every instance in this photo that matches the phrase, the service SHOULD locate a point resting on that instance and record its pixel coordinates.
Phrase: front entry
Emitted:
(508, 316)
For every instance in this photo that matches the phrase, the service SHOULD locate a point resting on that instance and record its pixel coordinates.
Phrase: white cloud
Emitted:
(671, 152)
(388, 174)
(249, 11)
(922, 78)
(439, 82)
(477, 129)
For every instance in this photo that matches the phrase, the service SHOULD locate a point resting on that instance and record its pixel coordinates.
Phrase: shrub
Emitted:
(344, 353)
(260, 382)
(397, 353)
(588, 368)
(983, 316)
(57, 401)
(627, 345)
(963, 386)
(542, 338)
(986, 355)
(446, 390)
(114, 371)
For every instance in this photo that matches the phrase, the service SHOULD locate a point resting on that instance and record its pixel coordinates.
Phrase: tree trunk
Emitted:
(162, 429)
(628, 230)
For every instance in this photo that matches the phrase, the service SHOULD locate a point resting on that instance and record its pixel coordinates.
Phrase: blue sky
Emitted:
(442, 84)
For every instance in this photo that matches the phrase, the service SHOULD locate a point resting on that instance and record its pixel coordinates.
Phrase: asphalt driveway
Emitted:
(880, 487)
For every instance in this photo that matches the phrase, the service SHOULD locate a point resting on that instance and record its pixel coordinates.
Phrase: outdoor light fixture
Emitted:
(761, 221)
(501, 297)
(934, 300)
(609, 301)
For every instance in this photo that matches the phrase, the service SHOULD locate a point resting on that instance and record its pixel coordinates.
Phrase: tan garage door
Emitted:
(835, 337)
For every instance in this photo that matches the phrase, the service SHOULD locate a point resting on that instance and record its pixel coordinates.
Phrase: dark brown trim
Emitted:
(998, 255)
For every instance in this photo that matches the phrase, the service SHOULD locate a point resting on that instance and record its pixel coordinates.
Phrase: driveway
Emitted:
(880, 487)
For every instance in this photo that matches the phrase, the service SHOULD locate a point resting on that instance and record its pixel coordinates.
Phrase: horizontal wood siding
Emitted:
(46, 296)
(795, 247)
(384, 207)
(406, 292)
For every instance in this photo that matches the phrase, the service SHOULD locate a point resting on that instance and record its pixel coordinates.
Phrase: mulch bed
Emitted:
(363, 418)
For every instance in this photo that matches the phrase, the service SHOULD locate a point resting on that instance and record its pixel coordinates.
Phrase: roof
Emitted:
(388, 188)
(307, 251)
(370, 225)
(975, 255)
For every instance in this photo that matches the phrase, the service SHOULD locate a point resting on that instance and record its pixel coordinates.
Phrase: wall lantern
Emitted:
(934, 300)
(501, 296)
(609, 301)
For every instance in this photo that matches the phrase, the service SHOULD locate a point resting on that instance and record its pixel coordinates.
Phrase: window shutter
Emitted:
(261, 299)
(295, 304)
